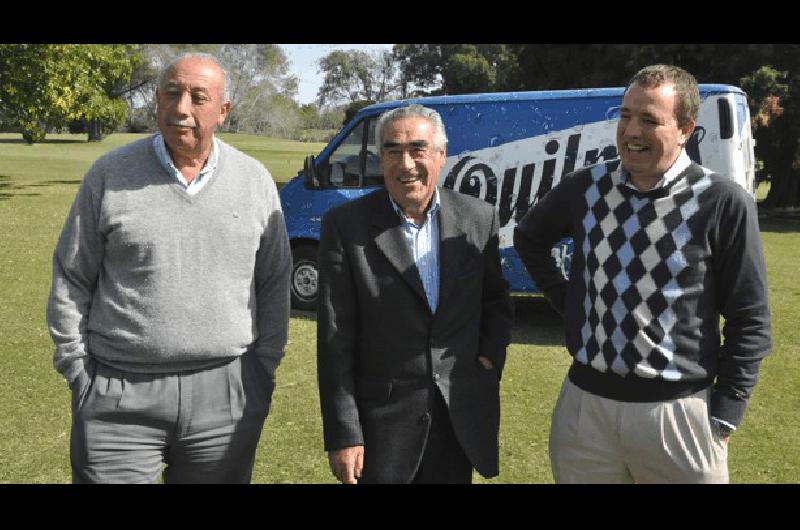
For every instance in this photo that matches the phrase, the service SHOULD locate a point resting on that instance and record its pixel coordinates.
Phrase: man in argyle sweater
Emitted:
(663, 247)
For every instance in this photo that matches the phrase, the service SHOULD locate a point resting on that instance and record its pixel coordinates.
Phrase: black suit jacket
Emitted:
(380, 349)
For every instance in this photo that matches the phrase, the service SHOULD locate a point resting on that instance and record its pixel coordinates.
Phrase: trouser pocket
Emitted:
(251, 387)
(83, 383)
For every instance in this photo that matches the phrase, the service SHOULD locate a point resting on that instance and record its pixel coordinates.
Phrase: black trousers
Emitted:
(443, 461)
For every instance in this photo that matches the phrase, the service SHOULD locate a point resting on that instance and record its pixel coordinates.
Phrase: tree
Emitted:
(467, 73)
(352, 109)
(312, 117)
(420, 66)
(775, 129)
(256, 73)
(111, 68)
(46, 85)
(36, 83)
(352, 75)
(279, 116)
(456, 68)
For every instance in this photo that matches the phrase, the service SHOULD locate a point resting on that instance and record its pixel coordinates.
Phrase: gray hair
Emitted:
(196, 55)
(414, 110)
(687, 93)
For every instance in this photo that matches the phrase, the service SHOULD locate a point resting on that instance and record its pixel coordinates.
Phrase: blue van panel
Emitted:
(564, 129)
(303, 209)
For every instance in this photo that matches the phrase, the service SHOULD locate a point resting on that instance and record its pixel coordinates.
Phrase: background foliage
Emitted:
(47, 87)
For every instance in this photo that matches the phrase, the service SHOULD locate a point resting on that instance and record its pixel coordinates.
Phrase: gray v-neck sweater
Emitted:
(147, 278)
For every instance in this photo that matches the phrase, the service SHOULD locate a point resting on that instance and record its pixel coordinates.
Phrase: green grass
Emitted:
(37, 185)
(762, 190)
(766, 448)
(283, 158)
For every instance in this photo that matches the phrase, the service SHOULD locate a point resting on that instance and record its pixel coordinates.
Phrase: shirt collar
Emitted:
(166, 160)
(434, 207)
(670, 175)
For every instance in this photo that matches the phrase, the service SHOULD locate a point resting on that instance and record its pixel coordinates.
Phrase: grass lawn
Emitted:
(37, 185)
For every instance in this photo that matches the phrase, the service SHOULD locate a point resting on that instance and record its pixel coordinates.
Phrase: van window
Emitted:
(725, 119)
(741, 115)
(373, 175)
(355, 162)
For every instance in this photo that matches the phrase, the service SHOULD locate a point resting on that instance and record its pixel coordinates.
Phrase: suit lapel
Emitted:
(388, 236)
(450, 251)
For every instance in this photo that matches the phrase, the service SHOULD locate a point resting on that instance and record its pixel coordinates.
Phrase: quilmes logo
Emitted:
(515, 175)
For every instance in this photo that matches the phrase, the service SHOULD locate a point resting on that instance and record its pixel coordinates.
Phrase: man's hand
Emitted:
(346, 464)
(486, 362)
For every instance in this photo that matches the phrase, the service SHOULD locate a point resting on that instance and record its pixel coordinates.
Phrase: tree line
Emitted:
(101, 88)
(769, 73)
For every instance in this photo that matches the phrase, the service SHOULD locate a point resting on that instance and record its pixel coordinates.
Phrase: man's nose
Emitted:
(184, 104)
(407, 161)
(632, 128)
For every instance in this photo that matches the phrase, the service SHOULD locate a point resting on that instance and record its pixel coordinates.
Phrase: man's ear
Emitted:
(224, 111)
(686, 132)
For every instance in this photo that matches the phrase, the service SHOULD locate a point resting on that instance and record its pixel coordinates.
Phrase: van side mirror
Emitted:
(310, 179)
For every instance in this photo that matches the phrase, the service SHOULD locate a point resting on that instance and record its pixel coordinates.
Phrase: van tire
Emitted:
(305, 275)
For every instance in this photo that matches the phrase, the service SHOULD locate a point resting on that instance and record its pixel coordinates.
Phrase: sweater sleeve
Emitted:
(543, 226)
(741, 287)
(272, 276)
(76, 264)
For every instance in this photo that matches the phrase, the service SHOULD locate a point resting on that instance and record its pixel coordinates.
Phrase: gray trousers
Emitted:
(599, 440)
(196, 427)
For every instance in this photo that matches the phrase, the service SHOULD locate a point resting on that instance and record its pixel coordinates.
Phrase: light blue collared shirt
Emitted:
(671, 174)
(205, 174)
(423, 240)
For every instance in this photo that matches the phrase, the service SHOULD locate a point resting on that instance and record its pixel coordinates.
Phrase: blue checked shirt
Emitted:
(424, 243)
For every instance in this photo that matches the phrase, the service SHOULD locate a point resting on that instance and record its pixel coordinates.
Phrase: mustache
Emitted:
(180, 123)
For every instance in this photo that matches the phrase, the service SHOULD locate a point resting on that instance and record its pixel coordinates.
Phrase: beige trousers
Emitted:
(599, 440)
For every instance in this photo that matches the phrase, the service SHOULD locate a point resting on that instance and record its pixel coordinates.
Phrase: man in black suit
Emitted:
(414, 320)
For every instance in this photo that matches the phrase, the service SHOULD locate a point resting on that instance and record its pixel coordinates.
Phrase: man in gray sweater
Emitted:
(169, 305)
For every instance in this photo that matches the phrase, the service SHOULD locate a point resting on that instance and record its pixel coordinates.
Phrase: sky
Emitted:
(303, 64)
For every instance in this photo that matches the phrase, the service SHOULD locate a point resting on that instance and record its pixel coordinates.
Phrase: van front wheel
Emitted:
(305, 274)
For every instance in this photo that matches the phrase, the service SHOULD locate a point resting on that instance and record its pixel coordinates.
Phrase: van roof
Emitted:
(488, 97)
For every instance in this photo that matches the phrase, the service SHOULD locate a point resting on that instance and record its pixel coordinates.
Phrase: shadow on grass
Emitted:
(6, 184)
(536, 322)
(45, 141)
(68, 182)
(304, 315)
(8, 196)
(778, 224)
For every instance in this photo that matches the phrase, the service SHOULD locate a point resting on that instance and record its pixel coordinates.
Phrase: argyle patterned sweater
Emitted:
(651, 274)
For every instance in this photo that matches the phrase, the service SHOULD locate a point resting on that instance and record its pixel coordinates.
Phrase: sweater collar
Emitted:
(661, 189)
